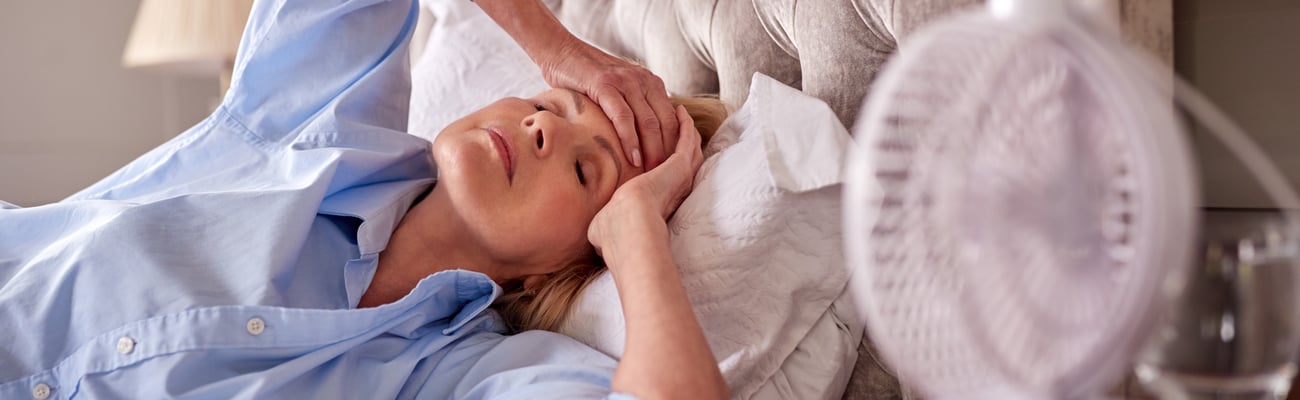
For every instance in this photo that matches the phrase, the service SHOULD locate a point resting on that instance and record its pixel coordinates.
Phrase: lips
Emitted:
(504, 151)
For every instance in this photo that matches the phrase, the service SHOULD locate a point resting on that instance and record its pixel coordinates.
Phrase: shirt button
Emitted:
(255, 326)
(41, 391)
(125, 345)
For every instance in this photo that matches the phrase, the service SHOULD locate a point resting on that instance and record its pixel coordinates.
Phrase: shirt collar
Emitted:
(476, 292)
(461, 295)
(380, 217)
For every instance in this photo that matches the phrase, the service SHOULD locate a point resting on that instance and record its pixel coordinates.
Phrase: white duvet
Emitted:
(757, 243)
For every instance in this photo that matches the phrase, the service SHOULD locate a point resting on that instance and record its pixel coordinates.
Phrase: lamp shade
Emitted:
(194, 37)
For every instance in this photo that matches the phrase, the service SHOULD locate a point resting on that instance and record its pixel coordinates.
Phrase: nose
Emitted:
(543, 130)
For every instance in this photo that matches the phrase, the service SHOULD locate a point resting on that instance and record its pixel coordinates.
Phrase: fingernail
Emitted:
(636, 158)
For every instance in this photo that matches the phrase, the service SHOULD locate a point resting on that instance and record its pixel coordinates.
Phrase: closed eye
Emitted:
(551, 108)
(582, 178)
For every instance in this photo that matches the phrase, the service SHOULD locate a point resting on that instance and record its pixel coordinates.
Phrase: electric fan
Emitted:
(1021, 201)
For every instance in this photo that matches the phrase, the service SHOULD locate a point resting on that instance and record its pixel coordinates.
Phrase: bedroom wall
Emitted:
(1245, 55)
(69, 113)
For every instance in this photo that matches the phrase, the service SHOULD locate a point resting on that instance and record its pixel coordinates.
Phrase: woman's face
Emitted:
(528, 175)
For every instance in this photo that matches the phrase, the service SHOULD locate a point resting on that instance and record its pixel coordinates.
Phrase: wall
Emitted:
(69, 113)
(1245, 55)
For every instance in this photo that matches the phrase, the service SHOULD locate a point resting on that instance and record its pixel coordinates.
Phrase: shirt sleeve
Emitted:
(309, 74)
(540, 365)
(302, 58)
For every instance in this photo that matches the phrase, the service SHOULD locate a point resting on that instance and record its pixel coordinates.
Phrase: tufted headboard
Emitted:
(831, 49)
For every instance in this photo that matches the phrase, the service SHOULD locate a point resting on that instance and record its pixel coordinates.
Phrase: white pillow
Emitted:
(758, 241)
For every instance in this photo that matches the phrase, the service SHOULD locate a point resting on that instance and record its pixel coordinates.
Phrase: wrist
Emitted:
(533, 26)
(550, 53)
(646, 246)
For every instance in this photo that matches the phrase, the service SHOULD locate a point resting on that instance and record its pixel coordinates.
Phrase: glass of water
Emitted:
(1234, 332)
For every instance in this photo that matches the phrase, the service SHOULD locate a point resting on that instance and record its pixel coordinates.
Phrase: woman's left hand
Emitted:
(633, 97)
(637, 214)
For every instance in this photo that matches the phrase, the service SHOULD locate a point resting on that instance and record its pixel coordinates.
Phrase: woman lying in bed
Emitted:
(295, 243)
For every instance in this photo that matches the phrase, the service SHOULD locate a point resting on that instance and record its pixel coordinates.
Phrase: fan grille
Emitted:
(1002, 256)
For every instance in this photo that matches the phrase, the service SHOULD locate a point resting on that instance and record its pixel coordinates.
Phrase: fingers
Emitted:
(648, 128)
(676, 177)
(665, 115)
(689, 142)
(637, 104)
(621, 115)
(633, 98)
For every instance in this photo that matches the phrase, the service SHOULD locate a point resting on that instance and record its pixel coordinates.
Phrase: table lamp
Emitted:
(187, 37)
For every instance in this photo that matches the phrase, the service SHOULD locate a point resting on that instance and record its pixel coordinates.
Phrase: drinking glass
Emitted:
(1234, 331)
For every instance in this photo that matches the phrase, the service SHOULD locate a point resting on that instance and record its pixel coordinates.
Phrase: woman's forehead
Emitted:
(587, 112)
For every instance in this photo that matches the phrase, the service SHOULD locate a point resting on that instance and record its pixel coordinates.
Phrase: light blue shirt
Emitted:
(227, 262)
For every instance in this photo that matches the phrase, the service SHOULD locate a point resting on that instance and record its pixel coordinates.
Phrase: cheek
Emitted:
(540, 223)
(561, 214)
(476, 200)
(460, 160)
(547, 222)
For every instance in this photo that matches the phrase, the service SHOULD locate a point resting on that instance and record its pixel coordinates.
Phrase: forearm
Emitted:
(532, 25)
(666, 355)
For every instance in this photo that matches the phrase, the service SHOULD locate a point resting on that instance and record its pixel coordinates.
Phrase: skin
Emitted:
(482, 217)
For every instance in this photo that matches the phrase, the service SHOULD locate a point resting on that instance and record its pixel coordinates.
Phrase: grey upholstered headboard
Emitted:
(831, 49)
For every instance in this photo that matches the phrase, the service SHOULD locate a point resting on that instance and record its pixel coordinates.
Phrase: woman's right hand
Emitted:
(637, 213)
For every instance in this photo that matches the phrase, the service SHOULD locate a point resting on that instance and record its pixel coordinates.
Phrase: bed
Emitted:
(795, 74)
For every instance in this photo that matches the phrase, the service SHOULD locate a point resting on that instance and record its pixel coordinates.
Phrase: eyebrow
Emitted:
(577, 103)
(609, 148)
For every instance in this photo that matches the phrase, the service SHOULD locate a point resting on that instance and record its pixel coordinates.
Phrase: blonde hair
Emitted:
(545, 304)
